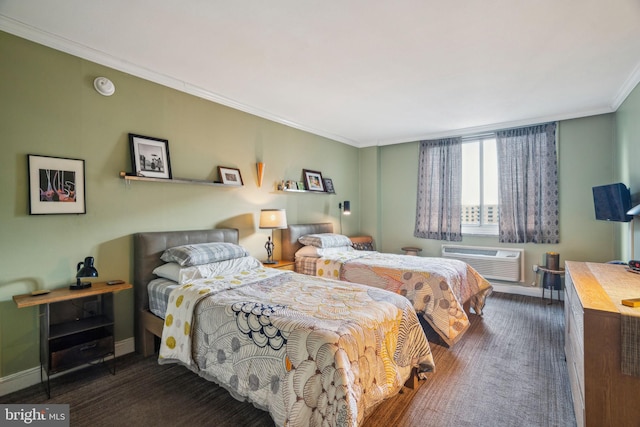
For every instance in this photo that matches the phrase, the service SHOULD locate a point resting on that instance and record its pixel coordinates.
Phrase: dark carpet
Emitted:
(508, 370)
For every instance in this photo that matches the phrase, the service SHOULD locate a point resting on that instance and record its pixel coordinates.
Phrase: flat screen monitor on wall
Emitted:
(612, 202)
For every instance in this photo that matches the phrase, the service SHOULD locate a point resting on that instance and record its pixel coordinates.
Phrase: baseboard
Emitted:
(532, 291)
(29, 377)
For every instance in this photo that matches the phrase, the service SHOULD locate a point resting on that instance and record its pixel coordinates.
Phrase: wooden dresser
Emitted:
(602, 395)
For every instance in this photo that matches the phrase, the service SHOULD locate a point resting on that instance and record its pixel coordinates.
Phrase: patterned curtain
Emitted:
(528, 185)
(439, 207)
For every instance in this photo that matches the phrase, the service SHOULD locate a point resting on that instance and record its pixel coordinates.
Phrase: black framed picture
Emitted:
(328, 185)
(313, 180)
(56, 185)
(150, 156)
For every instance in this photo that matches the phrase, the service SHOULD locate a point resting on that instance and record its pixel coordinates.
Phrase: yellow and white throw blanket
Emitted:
(437, 287)
(310, 351)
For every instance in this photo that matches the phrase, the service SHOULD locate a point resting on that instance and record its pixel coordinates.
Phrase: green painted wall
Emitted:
(586, 158)
(369, 186)
(628, 171)
(49, 107)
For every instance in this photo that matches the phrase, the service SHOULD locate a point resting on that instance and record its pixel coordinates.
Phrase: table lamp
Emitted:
(85, 269)
(272, 219)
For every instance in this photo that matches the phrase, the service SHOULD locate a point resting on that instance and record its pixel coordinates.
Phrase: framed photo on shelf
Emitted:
(301, 185)
(313, 180)
(150, 156)
(328, 186)
(56, 185)
(230, 176)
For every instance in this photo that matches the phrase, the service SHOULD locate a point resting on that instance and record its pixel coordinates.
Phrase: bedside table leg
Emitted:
(47, 385)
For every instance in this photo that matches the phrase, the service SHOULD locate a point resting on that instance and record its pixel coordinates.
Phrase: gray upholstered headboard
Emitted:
(147, 248)
(290, 236)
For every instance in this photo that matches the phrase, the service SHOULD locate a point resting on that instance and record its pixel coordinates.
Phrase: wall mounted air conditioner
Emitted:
(491, 263)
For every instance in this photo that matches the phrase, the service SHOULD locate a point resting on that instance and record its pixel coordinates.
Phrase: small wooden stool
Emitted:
(410, 250)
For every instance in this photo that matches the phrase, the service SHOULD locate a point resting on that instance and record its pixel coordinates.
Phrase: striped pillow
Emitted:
(325, 240)
(203, 253)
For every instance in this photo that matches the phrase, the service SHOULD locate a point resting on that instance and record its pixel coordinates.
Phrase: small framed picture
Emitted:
(301, 185)
(150, 156)
(328, 186)
(313, 180)
(56, 185)
(230, 176)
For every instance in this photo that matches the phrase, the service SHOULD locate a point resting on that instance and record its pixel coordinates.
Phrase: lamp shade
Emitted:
(85, 269)
(273, 218)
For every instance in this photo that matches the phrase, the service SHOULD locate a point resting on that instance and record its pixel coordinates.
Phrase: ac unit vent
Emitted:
(491, 263)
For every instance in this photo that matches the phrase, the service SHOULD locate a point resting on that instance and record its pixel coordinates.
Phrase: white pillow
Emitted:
(325, 240)
(313, 252)
(173, 271)
(170, 270)
(203, 253)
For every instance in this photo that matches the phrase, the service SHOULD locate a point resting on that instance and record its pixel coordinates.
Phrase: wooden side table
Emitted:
(282, 265)
(410, 250)
(76, 327)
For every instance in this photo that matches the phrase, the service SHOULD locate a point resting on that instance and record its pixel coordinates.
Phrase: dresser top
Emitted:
(603, 286)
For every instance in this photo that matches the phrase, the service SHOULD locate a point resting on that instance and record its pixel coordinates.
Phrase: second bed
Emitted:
(438, 288)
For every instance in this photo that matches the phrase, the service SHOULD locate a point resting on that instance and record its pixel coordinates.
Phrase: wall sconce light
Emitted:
(272, 219)
(104, 86)
(85, 269)
(345, 208)
(260, 168)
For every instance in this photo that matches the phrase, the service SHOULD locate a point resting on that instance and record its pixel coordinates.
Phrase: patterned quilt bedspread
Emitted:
(437, 287)
(310, 351)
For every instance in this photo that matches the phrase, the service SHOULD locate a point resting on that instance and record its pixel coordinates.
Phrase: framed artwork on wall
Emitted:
(313, 180)
(150, 156)
(56, 185)
(230, 176)
(328, 186)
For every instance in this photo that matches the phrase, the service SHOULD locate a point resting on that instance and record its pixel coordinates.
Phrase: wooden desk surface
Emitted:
(63, 294)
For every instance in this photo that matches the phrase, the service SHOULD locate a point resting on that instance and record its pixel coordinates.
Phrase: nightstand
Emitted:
(282, 265)
(76, 326)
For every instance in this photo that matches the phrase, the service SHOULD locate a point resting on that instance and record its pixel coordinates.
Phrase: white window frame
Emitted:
(482, 229)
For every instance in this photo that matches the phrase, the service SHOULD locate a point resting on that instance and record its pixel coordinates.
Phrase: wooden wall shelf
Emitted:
(126, 177)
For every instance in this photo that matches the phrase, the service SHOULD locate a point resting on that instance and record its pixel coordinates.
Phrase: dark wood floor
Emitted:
(508, 370)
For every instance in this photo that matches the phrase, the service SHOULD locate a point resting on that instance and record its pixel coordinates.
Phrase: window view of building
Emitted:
(480, 213)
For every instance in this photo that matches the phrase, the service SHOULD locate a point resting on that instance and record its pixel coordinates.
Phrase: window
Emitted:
(480, 185)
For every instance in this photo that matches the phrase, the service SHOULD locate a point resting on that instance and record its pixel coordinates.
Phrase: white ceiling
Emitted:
(363, 72)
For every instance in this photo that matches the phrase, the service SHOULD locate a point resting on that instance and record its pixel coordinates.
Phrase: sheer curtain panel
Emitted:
(439, 205)
(528, 184)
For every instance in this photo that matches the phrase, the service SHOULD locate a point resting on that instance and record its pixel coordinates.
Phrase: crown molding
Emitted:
(627, 87)
(53, 41)
(36, 35)
(491, 127)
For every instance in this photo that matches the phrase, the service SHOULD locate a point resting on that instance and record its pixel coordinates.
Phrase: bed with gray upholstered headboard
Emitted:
(264, 333)
(420, 279)
(147, 248)
(293, 232)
